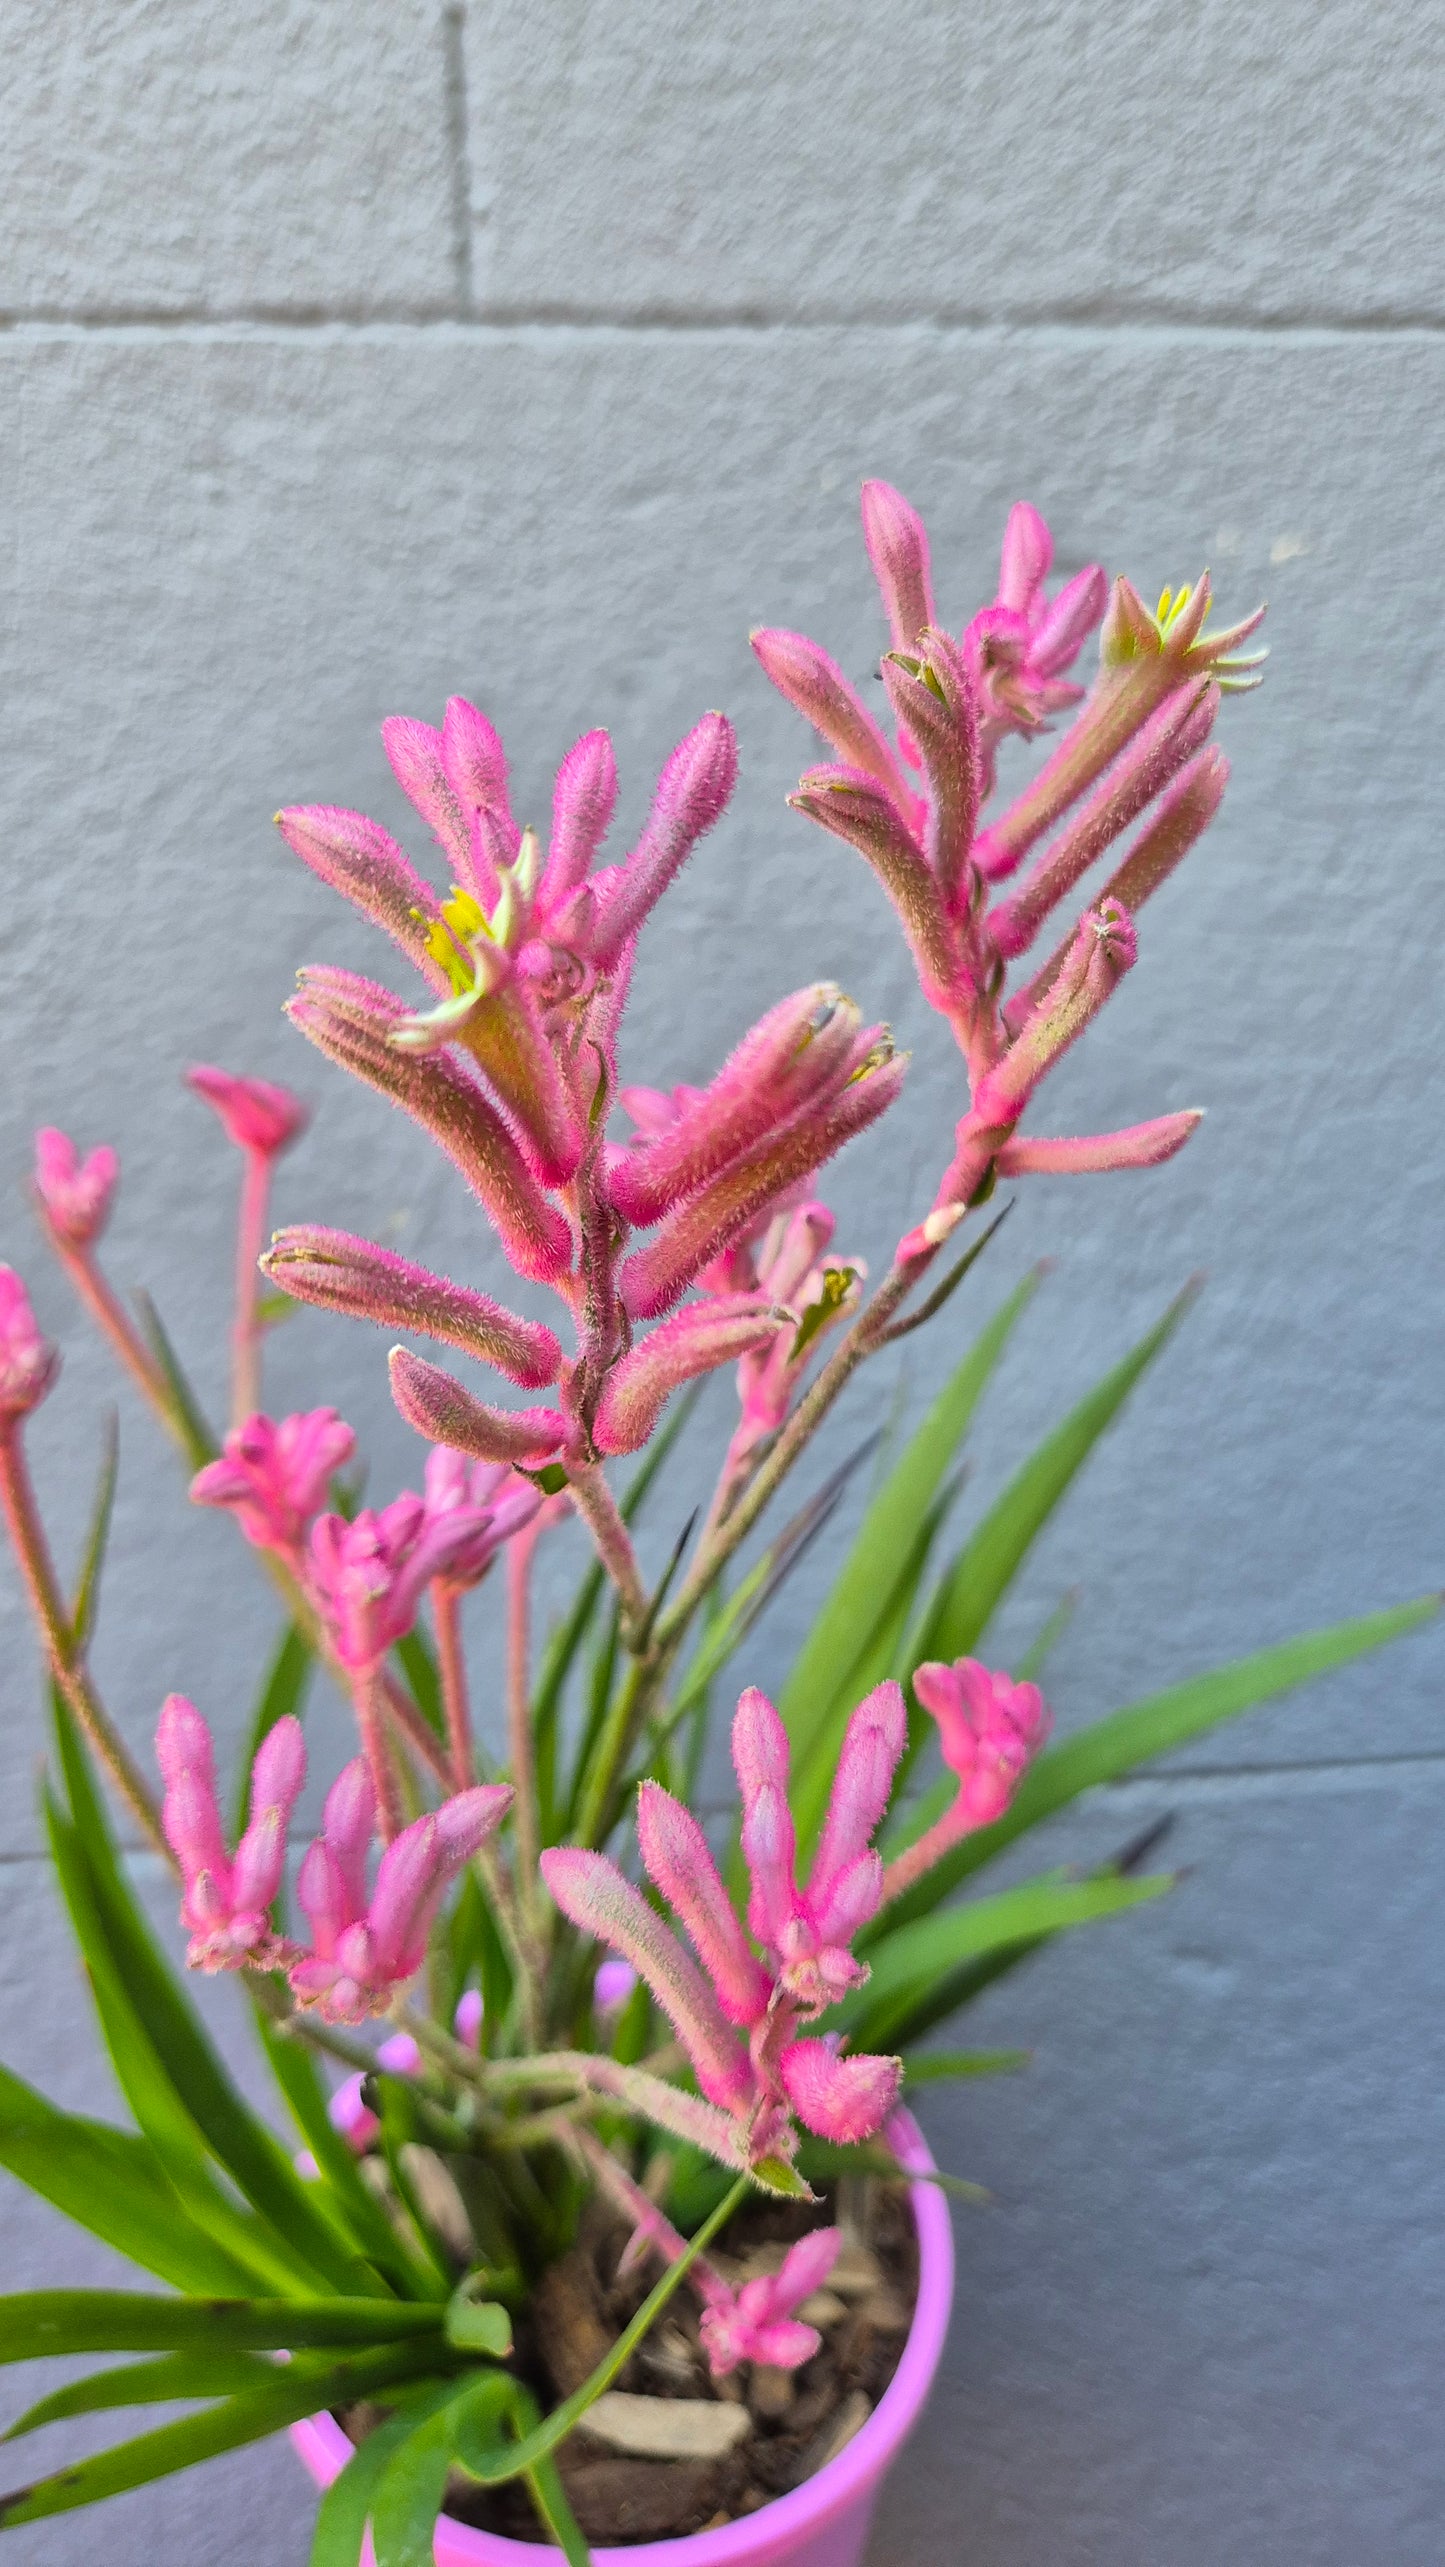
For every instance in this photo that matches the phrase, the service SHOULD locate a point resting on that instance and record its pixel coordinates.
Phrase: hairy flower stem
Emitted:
(600, 1513)
(862, 1340)
(519, 1723)
(120, 1333)
(369, 1700)
(446, 1605)
(67, 1661)
(247, 1332)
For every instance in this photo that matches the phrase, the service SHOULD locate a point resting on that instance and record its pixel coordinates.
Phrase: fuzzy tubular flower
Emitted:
(933, 698)
(75, 1193)
(842, 2099)
(356, 857)
(28, 1361)
(255, 1113)
(898, 550)
(226, 1903)
(679, 1863)
(362, 1952)
(1138, 1145)
(693, 1341)
(693, 791)
(815, 685)
(351, 1020)
(369, 1576)
(700, 1228)
(584, 798)
(340, 1272)
(988, 1729)
(759, 2323)
(852, 806)
(798, 1048)
(595, 1896)
(487, 1497)
(274, 1473)
(445, 1413)
(1103, 949)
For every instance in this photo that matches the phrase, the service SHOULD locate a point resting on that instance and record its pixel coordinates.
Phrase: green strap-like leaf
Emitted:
(408, 2493)
(200, 1441)
(236, 2137)
(979, 1577)
(112, 2183)
(842, 1631)
(915, 1955)
(1132, 1737)
(346, 2506)
(87, 1589)
(226, 2427)
(34, 2325)
(137, 2384)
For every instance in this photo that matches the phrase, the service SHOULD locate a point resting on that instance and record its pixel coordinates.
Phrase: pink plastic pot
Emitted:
(823, 2523)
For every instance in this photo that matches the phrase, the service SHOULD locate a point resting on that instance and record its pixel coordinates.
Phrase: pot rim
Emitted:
(754, 2539)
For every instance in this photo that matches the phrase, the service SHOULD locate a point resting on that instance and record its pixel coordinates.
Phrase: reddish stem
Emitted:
(246, 1332)
(369, 1699)
(446, 1603)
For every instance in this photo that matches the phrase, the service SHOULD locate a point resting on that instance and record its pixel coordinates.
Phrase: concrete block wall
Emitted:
(353, 356)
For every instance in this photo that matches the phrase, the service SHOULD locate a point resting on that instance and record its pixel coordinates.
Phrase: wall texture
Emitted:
(355, 355)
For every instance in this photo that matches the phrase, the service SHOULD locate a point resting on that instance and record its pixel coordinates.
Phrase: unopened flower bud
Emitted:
(28, 1361)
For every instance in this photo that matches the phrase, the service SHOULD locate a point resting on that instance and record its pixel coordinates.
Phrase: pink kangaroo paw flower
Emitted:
(416, 1869)
(255, 1113)
(988, 1728)
(853, 807)
(933, 698)
(1179, 819)
(1154, 757)
(351, 1021)
(583, 801)
(414, 754)
(693, 791)
(28, 1361)
(1143, 659)
(499, 1023)
(699, 1229)
(277, 1775)
(694, 1341)
(369, 1576)
(1026, 559)
(1139, 1145)
(487, 1496)
(191, 1814)
(356, 857)
(75, 1192)
(898, 550)
(679, 1863)
(594, 1895)
(872, 1744)
(348, 1823)
(1104, 948)
(802, 1046)
(475, 765)
(274, 1474)
(757, 2324)
(441, 1410)
(842, 2099)
(815, 684)
(339, 1272)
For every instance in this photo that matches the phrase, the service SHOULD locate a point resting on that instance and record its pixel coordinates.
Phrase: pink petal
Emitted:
(679, 1862)
(842, 2099)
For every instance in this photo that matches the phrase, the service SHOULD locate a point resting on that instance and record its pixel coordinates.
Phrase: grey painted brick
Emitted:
(222, 581)
(848, 159)
(169, 156)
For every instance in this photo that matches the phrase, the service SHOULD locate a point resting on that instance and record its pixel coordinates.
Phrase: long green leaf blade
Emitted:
(915, 1955)
(112, 2183)
(989, 1560)
(346, 2506)
(137, 2384)
(1114, 1746)
(236, 2421)
(34, 2325)
(845, 1625)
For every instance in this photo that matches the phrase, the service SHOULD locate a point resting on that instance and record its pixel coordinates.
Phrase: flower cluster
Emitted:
(1139, 750)
(803, 1962)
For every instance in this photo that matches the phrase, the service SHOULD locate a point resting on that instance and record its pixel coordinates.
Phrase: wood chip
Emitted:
(838, 2433)
(823, 2309)
(772, 2391)
(569, 2323)
(883, 2311)
(666, 2428)
(856, 2272)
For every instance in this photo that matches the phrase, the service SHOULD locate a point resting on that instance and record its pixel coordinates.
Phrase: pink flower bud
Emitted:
(1104, 948)
(701, 1227)
(933, 697)
(695, 1341)
(357, 858)
(414, 754)
(488, 1497)
(898, 550)
(255, 1113)
(28, 1361)
(227, 1904)
(274, 1475)
(692, 793)
(76, 1193)
(757, 2324)
(816, 685)
(441, 1410)
(475, 766)
(583, 801)
(988, 1728)
(339, 1272)
(804, 1044)
(842, 2099)
(369, 1576)
(853, 807)
(679, 1863)
(1139, 1145)
(595, 1896)
(351, 1020)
